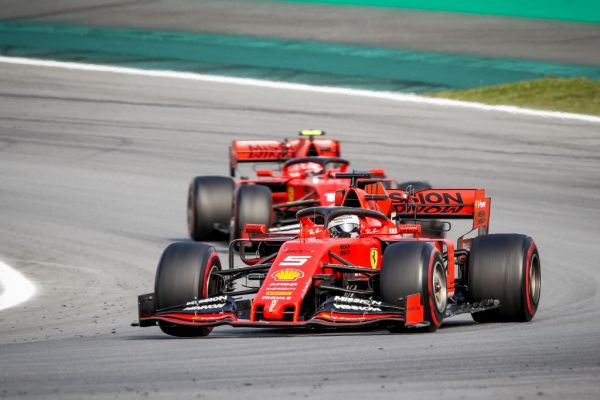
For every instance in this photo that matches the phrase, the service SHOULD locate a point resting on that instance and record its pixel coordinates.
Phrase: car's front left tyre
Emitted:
(209, 206)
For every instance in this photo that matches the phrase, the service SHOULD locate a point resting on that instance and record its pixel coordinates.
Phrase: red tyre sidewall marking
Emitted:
(528, 301)
(432, 309)
(207, 270)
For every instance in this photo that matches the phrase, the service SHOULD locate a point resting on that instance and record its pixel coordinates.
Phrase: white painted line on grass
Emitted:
(399, 97)
(16, 287)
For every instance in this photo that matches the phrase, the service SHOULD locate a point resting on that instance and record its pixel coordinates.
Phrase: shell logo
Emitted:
(287, 274)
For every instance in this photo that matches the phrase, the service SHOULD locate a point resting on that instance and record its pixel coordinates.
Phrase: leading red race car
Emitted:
(351, 266)
(309, 175)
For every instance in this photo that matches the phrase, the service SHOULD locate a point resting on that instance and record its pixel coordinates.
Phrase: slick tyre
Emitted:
(430, 228)
(253, 205)
(505, 267)
(417, 185)
(184, 274)
(209, 205)
(415, 267)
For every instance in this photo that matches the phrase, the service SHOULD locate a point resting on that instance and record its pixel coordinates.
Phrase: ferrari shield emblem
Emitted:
(374, 257)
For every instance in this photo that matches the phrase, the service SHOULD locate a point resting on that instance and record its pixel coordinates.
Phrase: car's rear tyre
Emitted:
(431, 228)
(210, 200)
(184, 274)
(253, 205)
(417, 185)
(410, 268)
(505, 267)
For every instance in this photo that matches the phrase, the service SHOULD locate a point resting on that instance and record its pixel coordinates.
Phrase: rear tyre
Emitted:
(505, 267)
(184, 274)
(253, 205)
(415, 267)
(417, 185)
(432, 228)
(209, 206)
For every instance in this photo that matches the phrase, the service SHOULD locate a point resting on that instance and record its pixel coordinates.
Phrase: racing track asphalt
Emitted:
(94, 169)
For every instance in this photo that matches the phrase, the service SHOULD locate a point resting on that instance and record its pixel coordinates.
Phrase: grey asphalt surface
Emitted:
(94, 169)
(570, 43)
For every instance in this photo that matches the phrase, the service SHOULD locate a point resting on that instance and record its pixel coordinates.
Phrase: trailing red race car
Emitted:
(352, 266)
(307, 177)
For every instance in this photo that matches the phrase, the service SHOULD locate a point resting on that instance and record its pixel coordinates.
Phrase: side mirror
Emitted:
(255, 228)
(264, 172)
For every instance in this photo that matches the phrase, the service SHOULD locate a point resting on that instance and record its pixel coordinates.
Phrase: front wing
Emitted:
(331, 314)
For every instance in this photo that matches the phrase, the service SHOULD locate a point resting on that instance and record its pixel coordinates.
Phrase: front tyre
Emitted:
(184, 274)
(415, 267)
(505, 267)
(209, 206)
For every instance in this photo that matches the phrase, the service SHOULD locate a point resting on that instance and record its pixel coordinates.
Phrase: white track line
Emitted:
(16, 287)
(407, 98)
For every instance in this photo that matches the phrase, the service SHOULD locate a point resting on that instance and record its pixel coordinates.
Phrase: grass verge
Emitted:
(575, 95)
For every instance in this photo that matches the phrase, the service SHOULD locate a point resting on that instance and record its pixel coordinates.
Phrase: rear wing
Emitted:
(256, 151)
(432, 204)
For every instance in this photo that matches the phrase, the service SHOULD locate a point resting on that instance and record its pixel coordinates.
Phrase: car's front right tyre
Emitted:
(185, 273)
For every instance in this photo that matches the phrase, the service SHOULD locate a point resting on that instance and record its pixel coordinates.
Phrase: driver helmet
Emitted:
(344, 226)
(308, 168)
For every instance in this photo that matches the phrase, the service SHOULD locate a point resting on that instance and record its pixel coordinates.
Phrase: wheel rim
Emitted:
(211, 290)
(535, 279)
(439, 287)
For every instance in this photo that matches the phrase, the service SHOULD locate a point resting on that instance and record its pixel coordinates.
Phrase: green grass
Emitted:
(575, 95)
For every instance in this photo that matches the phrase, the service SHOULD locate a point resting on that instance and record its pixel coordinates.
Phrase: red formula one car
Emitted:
(352, 266)
(308, 176)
